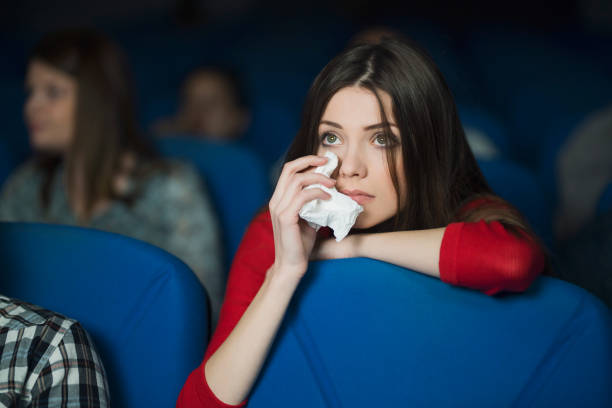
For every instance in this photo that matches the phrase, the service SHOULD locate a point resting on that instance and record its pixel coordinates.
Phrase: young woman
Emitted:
(93, 168)
(387, 113)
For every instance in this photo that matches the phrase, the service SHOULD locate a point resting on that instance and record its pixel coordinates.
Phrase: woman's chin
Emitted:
(363, 222)
(44, 146)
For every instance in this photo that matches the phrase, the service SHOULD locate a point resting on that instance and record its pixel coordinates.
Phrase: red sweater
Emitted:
(479, 255)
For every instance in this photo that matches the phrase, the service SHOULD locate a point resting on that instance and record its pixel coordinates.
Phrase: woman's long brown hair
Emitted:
(105, 120)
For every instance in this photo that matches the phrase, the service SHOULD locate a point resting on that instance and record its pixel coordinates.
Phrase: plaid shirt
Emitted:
(47, 360)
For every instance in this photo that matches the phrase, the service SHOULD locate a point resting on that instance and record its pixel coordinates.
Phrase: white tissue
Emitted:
(339, 212)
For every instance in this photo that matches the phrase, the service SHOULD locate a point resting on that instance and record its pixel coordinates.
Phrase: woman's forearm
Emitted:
(233, 368)
(416, 250)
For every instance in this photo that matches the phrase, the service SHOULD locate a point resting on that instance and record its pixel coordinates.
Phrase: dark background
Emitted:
(523, 72)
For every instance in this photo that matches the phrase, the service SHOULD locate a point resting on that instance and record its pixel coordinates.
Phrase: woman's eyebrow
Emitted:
(380, 125)
(370, 127)
(334, 124)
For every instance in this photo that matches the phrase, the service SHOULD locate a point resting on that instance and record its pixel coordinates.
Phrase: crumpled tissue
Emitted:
(339, 212)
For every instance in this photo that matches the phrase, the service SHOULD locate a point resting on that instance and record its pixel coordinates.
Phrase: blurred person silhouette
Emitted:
(213, 105)
(48, 360)
(583, 170)
(93, 168)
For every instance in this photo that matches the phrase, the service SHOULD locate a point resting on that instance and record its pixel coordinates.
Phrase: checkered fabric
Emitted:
(47, 360)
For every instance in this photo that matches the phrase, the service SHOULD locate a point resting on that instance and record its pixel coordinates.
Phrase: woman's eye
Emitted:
(330, 139)
(383, 140)
(380, 140)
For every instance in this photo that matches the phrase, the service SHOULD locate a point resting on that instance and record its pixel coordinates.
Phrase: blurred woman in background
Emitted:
(93, 168)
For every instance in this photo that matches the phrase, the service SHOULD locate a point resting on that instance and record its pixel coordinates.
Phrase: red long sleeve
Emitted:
(488, 257)
(253, 258)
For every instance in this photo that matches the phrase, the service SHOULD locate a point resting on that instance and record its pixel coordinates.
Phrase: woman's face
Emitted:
(50, 107)
(352, 128)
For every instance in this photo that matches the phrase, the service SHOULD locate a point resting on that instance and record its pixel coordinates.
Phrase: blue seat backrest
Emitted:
(473, 117)
(533, 80)
(234, 177)
(146, 311)
(363, 333)
(555, 136)
(540, 109)
(272, 142)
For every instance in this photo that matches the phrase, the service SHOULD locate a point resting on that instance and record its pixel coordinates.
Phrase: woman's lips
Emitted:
(361, 197)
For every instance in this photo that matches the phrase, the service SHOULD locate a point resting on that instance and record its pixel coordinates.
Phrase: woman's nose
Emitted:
(352, 164)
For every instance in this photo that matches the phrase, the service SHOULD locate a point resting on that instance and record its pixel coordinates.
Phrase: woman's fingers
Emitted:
(290, 169)
(292, 242)
(289, 214)
(298, 183)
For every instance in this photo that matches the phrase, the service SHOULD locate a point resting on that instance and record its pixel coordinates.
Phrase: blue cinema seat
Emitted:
(234, 176)
(487, 126)
(555, 136)
(534, 79)
(544, 113)
(363, 333)
(272, 142)
(146, 311)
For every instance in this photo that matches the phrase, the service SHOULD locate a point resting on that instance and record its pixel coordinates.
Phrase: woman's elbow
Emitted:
(525, 261)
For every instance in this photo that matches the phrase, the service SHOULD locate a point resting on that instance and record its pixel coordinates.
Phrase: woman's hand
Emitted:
(293, 238)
